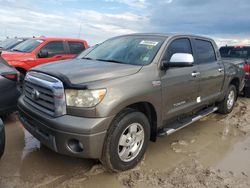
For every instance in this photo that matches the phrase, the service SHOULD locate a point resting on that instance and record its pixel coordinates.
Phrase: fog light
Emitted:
(75, 145)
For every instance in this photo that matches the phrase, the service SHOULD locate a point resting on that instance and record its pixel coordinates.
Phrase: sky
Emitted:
(227, 21)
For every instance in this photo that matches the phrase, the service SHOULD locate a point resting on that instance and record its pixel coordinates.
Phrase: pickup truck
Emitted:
(125, 92)
(38, 51)
(239, 55)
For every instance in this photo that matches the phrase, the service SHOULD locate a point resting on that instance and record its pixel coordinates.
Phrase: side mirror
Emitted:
(43, 53)
(180, 60)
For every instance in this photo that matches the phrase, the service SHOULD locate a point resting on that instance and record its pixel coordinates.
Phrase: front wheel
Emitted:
(226, 106)
(126, 141)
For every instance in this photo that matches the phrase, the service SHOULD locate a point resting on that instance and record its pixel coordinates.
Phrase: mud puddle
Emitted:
(213, 152)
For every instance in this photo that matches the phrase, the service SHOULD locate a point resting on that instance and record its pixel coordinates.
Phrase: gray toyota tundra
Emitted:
(130, 89)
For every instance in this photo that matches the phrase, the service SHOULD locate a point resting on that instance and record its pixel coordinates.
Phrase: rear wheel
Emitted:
(226, 106)
(126, 141)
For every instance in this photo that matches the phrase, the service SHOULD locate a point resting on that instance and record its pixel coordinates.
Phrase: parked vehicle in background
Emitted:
(240, 54)
(2, 138)
(37, 51)
(125, 92)
(10, 43)
(8, 88)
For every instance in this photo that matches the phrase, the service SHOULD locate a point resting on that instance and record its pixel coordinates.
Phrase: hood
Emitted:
(80, 71)
(15, 56)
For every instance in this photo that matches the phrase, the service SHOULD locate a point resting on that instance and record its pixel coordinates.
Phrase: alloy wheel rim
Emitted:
(131, 142)
(230, 100)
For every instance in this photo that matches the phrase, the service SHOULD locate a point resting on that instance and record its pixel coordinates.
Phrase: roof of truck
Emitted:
(169, 35)
(60, 39)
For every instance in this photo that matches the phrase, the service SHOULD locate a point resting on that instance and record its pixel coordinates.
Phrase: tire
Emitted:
(116, 156)
(225, 107)
(247, 92)
(2, 142)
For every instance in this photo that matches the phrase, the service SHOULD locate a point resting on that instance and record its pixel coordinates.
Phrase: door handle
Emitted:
(195, 74)
(220, 70)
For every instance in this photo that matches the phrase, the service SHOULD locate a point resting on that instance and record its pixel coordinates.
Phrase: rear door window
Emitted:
(76, 47)
(205, 51)
(54, 48)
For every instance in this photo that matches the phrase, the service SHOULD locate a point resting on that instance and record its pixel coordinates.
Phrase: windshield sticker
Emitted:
(149, 43)
(146, 58)
(40, 41)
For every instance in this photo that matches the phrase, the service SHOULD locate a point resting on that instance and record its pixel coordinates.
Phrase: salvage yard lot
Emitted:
(213, 152)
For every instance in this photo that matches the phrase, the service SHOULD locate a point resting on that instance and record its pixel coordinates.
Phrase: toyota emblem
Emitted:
(35, 94)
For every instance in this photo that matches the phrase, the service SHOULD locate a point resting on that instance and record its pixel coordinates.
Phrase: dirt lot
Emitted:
(213, 152)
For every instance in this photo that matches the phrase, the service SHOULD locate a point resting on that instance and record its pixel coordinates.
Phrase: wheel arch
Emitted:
(150, 112)
(236, 82)
(21, 70)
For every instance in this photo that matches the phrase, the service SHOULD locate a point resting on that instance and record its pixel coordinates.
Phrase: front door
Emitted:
(56, 52)
(179, 85)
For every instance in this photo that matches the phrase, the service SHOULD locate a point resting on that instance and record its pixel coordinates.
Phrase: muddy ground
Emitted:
(214, 152)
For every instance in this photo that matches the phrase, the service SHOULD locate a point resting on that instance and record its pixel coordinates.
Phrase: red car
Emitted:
(37, 51)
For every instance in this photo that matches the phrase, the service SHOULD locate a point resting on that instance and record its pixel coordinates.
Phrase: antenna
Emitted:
(80, 30)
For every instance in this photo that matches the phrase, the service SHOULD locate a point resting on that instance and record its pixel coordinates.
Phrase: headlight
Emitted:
(84, 98)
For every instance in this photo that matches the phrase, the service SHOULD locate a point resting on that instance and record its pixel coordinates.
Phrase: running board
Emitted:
(179, 125)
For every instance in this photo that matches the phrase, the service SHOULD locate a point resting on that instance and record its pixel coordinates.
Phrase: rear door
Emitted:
(75, 48)
(179, 87)
(211, 70)
(56, 52)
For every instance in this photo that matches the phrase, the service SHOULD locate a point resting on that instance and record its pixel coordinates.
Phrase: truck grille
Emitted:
(45, 93)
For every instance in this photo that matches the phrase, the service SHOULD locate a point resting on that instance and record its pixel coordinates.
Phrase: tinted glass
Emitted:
(28, 45)
(76, 47)
(54, 48)
(178, 46)
(10, 43)
(205, 51)
(235, 52)
(6, 42)
(224, 51)
(134, 50)
(86, 52)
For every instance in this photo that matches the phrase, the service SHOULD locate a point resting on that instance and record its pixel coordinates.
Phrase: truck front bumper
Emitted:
(68, 135)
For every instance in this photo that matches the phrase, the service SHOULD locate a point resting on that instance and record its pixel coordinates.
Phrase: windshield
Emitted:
(28, 45)
(86, 52)
(134, 50)
(10, 43)
(235, 52)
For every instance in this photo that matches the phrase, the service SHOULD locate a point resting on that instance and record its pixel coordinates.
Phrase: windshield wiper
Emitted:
(111, 60)
(16, 50)
(88, 58)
